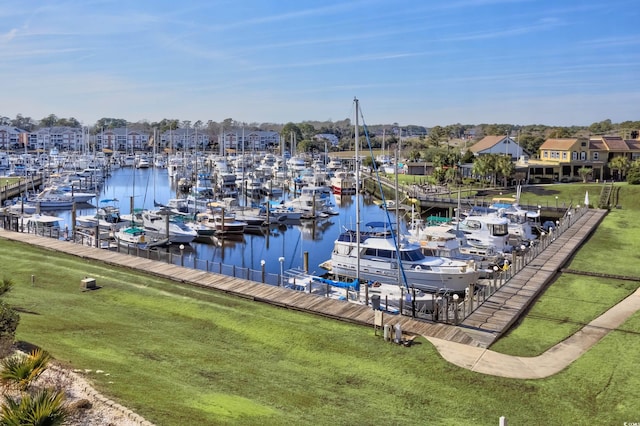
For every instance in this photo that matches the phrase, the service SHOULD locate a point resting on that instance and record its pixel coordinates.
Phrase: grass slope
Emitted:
(179, 355)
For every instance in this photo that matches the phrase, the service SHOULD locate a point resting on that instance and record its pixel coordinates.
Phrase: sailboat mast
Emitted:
(357, 170)
(397, 201)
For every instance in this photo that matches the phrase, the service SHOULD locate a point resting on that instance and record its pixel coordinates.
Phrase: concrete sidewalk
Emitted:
(547, 364)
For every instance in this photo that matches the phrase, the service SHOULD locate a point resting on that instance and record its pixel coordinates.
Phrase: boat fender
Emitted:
(418, 268)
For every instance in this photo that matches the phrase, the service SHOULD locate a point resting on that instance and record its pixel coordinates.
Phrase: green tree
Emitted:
(584, 173)
(560, 132)
(467, 157)
(307, 130)
(483, 168)
(621, 164)
(633, 176)
(414, 155)
(601, 127)
(530, 143)
(49, 121)
(436, 134)
(504, 167)
(290, 131)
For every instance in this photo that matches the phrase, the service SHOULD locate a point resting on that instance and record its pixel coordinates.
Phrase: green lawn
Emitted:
(179, 355)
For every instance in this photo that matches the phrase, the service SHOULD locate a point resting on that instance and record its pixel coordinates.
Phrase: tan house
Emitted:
(561, 159)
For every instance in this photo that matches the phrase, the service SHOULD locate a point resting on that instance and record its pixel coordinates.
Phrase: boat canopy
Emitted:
(355, 285)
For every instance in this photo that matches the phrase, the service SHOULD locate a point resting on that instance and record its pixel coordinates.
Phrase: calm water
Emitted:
(289, 241)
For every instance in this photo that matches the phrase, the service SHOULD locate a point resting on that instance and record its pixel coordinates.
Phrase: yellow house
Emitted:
(560, 159)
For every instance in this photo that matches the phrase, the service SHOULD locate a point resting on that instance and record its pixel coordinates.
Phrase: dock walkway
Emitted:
(481, 328)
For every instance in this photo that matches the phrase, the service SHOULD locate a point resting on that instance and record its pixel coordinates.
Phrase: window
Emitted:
(545, 154)
(564, 155)
(583, 155)
(596, 156)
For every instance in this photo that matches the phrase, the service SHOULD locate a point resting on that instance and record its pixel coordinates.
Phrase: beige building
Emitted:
(561, 159)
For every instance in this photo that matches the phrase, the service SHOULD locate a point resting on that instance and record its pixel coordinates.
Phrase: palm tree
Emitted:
(621, 164)
(584, 173)
(482, 166)
(20, 372)
(504, 167)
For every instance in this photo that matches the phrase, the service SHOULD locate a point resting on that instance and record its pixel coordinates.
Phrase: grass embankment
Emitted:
(179, 355)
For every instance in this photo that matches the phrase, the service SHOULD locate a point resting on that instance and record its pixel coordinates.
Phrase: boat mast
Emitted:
(357, 170)
(398, 257)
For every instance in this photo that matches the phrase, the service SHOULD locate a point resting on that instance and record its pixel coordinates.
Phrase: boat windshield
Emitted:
(499, 230)
(412, 255)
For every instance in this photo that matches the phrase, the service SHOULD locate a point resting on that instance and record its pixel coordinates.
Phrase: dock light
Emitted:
(455, 312)
(281, 260)
(181, 254)
(262, 263)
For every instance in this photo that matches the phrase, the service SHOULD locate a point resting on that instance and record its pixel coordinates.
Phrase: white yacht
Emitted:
(377, 256)
(53, 198)
(106, 217)
(159, 225)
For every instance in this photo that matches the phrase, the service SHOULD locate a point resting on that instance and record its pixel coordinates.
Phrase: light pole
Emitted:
(262, 263)
(181, 254)
(281, 260)
(455, 306)
(556, 203)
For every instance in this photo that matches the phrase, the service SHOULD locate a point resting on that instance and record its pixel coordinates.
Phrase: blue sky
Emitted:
(412, 62)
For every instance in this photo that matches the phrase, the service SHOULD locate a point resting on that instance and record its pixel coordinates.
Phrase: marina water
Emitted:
(287, 240)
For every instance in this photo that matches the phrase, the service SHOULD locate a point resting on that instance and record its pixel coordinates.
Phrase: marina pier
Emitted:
(485, 317)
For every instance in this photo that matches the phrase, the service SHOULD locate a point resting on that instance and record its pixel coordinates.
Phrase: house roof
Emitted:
(561, 144)
(633, 144)
(597, 145)
(615, 143)
(486, 143)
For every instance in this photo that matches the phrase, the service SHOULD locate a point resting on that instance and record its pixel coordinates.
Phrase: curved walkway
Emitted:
(550, 362)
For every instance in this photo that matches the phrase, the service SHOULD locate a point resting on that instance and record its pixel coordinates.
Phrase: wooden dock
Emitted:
(503, 308)
(481, 328)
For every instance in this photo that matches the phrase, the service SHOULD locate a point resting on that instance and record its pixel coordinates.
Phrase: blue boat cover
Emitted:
(355, 285)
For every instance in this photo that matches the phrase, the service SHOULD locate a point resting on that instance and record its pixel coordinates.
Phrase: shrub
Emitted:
(9, 320)
(44, 407)
(20, 371)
